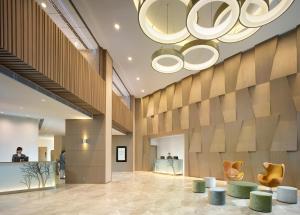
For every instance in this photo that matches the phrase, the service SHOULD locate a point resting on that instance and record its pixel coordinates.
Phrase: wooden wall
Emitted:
(245, 108)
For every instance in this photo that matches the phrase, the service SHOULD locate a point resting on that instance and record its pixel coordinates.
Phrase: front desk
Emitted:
(26, 176)
(169, 166)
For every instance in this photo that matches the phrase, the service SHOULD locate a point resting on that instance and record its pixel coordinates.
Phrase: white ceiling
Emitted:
(18, 99)
(101, 15)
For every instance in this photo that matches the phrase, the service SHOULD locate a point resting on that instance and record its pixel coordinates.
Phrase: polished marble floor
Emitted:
(140, 193)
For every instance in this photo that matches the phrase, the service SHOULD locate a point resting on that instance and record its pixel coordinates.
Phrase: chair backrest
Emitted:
(275, 170)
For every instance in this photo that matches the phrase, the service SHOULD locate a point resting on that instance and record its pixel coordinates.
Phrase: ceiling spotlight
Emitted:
(172, 54)
(129, 58)
(21, 107)
(137, 78)
(117, 26)
(143, 91)
(239, 32)
(254, 20)
(43, 100)
(200, 45)
(43, 4)
(156, 34)
(207, 33)
(76, 44)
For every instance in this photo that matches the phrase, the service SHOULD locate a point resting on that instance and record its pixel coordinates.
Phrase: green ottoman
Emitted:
(240, 189)
(199, 186)
(261, 201)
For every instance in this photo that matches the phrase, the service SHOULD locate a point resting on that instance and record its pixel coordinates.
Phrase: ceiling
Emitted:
(129, 41)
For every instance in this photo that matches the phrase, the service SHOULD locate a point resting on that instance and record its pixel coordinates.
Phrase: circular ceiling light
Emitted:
(253, 20)
(214, 32)
(156, 34)
(167, 54)
(239, 32)
(200, 45)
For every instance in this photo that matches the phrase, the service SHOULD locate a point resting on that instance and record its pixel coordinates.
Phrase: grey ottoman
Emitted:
(261, 201)
(287, 194)
(216, 196)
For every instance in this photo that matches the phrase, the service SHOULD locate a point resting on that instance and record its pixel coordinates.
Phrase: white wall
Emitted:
(46, 141)
(173, 144)
(17, 131)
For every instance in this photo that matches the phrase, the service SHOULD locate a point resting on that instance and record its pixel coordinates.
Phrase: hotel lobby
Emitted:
(142, 107)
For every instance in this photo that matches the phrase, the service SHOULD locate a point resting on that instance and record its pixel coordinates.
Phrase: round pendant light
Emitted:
(167, 54)
(156, 34)
(200, 45)
(252, 20)
(207, 33)
(239, 32)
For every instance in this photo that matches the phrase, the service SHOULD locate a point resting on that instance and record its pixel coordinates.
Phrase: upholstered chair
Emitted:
(232, 170)
(273, 176)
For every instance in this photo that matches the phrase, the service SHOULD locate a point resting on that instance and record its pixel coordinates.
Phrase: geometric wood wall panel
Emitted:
(149, 126)
(195, 140)
(161, 123)
(206, 78)
(281, 99)
(163, 102)
(145, 126)
(186, 89)
(204, 112)
(246, 74)
(265, 129)
(228, 104)
(193, 164)
(194, 116)
(155, 124)
(150, 111)
(177, 99)
(231, 68)
(170, 94)
(216, 116)
(232, 131)
(145, 102)
(264, 55)
(244, 106)
(260, 95)
(298, 47)
(218, 81)
(285, 137)
(216, 165)
(195, 94)
(175, 120)
(156, 100)
(285, 59)
(184, 117)
(247, 137)
(207, 133)
(218, 141)
(203, 168)
(294, 81)
(169, 121)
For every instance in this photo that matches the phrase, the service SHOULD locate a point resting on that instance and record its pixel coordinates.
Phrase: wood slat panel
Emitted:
(206, 78)
(231, 68)
(177, 100)
(218, 82)
(218, 140)
(260, 96)
(247, 137)
(186, 89)
(246, 76)
(195, 94)
(228, 104)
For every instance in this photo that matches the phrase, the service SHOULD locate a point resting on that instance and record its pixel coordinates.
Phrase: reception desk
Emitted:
(169, 166)
(26, 176)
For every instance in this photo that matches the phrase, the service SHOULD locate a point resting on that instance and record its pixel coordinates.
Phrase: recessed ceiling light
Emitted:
(129, 58)
(138, 78)
(43, 4)
(2, 112)
(117, 26)
(43, 100)
(21, 108)
(143, 91)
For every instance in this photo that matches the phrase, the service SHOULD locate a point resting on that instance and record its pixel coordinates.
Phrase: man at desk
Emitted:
(19, 157)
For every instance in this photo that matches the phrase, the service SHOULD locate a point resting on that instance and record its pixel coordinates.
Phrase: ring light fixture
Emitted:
(156, 34)
(252, 20)
(208, 33)
(172, 54)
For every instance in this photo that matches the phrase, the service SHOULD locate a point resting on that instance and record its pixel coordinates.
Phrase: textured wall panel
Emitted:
(177, 100)
(150, 109)
(161, 123)
(149, 126)
(265, 129)
(155, 124)
(218, 140)
(193, 167)
(186, 89)
(228, 104)
(194, 116)
(244, 106)
(246, 76)
(247, 137)
(170, 94)
(206, 78)
(169, 121)
(195, 94)
(163, 102)
(260, 96)
(294, 82)
(231, 68)
(184, 117)
(285, 60)
(195, 140)
(232, 131)
(264, 55)
(204, 113)
(218, 81)
(216, 115)
(156, 100)
(175, 120)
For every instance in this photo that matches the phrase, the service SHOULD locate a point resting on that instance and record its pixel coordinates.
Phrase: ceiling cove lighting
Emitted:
(239, 32)
(167, 54)
(208, 33)
(198, 45)
(253, 20)
(155, 34)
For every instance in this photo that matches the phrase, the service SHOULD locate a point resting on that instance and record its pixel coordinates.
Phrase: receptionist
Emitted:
(19, 157)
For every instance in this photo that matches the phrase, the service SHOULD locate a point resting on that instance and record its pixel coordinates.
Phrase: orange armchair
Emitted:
(232, 170)
(274, 175)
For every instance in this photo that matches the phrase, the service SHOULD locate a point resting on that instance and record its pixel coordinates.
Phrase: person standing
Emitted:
(62, 165)
(19, 157)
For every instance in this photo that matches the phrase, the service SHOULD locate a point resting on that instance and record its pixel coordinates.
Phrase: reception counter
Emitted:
(26, 176)
(169, 166)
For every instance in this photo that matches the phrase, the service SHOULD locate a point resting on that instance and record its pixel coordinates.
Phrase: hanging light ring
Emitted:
(172, 54)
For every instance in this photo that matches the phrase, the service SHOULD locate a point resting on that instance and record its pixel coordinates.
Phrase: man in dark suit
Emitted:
(19, 157)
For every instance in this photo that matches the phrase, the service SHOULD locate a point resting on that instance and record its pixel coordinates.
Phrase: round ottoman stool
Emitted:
(240, 189)
(287, 194)
(216, 196)
(261, 201)
(199, 186)
(210, 182)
